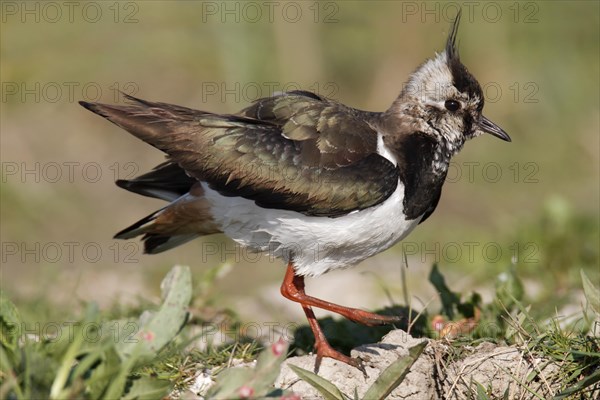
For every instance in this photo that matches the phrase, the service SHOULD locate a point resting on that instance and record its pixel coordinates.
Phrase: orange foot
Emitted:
(324, 349)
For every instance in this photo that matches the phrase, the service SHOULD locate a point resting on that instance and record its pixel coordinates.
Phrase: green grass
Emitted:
(63, 367)
(68, 366)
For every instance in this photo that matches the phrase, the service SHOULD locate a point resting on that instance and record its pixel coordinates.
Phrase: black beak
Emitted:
(488, 126)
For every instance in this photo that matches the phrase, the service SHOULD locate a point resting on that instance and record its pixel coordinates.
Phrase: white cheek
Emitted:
(436, 104)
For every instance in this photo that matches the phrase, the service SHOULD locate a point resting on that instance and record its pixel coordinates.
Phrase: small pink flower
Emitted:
(246, 392)
(292, 396)
(147, 336)
(278, 347)
(438, 323)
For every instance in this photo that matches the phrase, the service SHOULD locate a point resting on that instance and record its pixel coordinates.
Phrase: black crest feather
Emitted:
(462, 79)
(451, 49)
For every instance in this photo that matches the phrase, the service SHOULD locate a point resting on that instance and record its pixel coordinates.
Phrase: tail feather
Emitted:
(154, 244)
(156, 238)
(139, 228)
(188, 214)
(166, 181)
(180, 221)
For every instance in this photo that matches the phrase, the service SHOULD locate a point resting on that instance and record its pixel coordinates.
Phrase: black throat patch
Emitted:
(422, 183)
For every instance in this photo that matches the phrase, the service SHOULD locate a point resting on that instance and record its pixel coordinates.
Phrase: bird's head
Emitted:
(444, 94)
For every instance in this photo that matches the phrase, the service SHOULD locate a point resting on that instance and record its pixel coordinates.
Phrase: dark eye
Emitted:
(452, 105)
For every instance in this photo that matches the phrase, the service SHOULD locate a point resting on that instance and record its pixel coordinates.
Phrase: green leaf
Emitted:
(393, 375)
(206, 281)
(509, 287)
(579, 386)
(323, 386)
(117, 383)
(481, 392)
(101, 377)
(147, 388)
(448, 297)
(258, 380)
(155, 329)
(592, 293)
(268, 366)
(229, 383)
(522, 316)
(10, 323)
(10, 381)
(68, 361)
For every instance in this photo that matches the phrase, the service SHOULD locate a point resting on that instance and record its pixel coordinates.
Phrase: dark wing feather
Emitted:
(166, 181)
(294, 151)
(331, 134)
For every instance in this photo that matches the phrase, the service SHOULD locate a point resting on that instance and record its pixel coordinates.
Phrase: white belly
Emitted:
(315, 244)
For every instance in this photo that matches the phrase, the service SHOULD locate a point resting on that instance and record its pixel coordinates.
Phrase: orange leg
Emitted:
(293, 289)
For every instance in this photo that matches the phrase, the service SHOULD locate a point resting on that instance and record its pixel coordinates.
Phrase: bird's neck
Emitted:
(444, 151)
(443, 145)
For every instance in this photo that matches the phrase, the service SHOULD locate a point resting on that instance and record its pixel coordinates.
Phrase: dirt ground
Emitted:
(437, 374)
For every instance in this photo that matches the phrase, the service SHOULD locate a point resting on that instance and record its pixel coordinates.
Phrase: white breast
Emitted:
(315, 244)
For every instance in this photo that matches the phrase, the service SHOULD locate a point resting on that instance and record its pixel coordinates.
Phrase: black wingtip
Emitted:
(154, 244)
(96, 108)
(87, 105)
(123, 183)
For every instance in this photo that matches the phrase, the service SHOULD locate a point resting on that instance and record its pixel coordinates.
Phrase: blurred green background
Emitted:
(535, 200)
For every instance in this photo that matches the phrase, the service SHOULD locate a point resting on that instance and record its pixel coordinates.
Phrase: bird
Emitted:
(318, 184)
